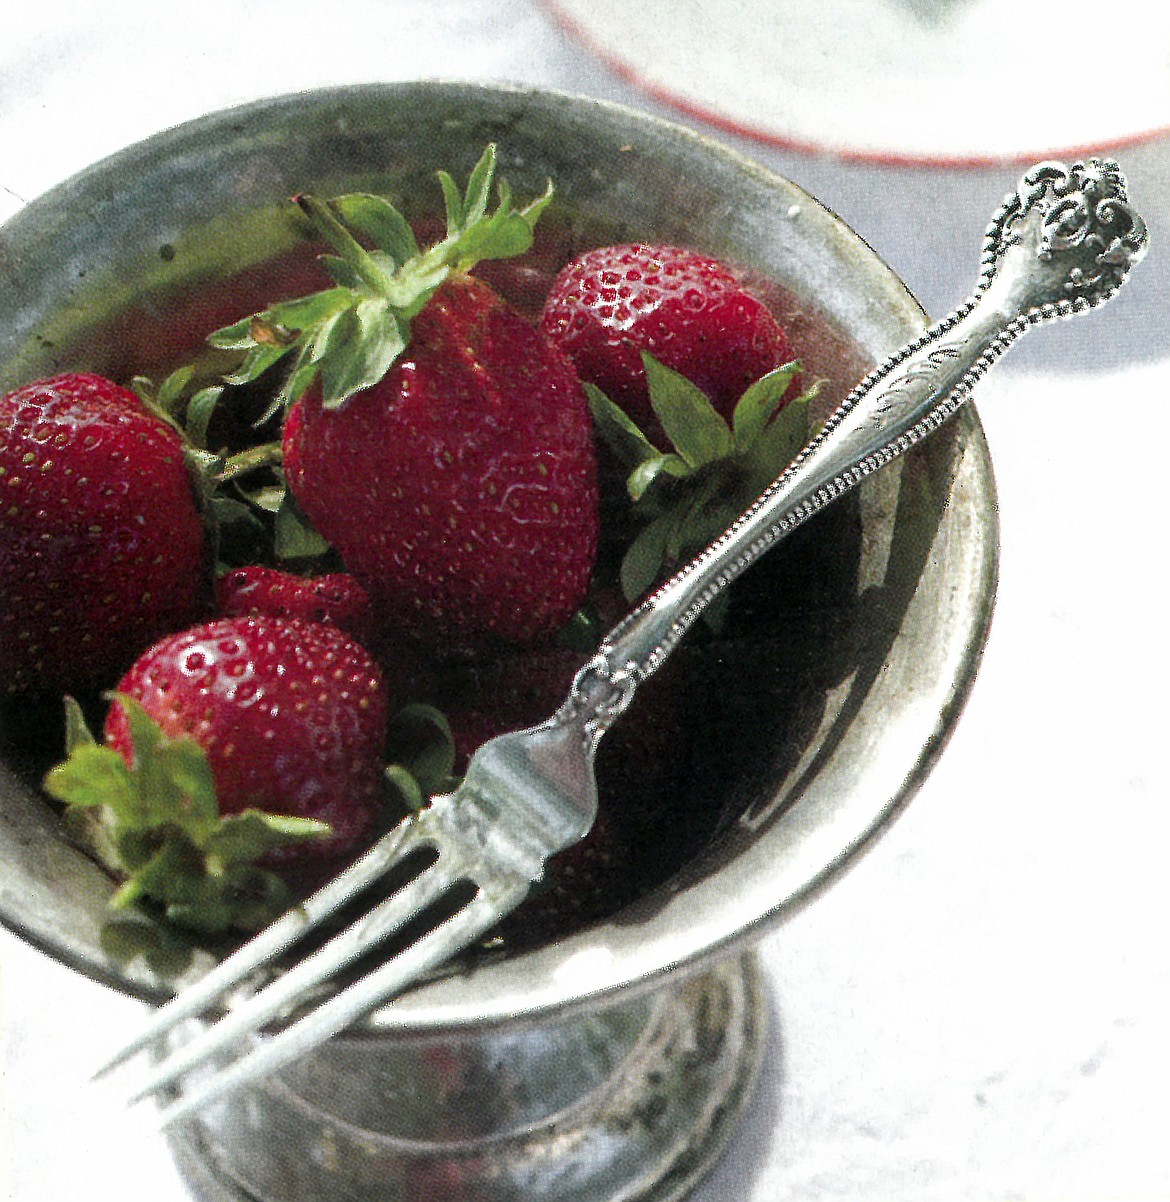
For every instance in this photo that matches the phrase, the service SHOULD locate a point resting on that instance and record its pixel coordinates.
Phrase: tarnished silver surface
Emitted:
(876, 702)
(631, 1104)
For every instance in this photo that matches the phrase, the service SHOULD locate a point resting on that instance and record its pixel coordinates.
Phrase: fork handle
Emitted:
(1062, 243)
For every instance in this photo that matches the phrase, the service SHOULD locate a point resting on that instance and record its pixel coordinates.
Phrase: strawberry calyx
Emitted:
(685, 497)
(346, 336)
(155, 823)
(350, 335)
(242, 496)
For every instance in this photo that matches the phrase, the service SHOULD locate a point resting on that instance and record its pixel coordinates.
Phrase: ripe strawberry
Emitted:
(291, 716)
(334, 597)
(461, 489)
(688, 310)
(434, 438)
(102, 546)
(222, 740)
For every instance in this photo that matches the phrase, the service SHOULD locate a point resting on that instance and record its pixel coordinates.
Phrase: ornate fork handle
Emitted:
(1061, 244)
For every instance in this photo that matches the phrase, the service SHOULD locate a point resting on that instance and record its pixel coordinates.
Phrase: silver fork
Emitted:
(1061, 244)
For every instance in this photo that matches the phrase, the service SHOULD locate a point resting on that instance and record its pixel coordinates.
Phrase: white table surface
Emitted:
(978, 1010)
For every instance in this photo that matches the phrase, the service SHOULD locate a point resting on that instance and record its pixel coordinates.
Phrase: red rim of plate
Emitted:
(884, 158)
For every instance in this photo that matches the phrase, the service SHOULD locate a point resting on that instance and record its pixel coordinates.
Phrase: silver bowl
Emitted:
(614, 1062)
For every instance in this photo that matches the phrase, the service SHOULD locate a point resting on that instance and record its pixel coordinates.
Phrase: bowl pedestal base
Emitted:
(633, 1100)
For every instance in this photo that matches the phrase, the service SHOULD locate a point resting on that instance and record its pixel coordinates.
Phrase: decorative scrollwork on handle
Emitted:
(1076, 218)
(1061, 244)
(919, 379)
(600, 693)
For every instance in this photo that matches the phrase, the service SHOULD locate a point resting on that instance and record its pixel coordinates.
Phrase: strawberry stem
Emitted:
(269, 454)
(349, 336)
(347, 246)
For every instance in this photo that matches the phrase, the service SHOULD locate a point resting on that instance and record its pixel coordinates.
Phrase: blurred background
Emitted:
(977, 1010)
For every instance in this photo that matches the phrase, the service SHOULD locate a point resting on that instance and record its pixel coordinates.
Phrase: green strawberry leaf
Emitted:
(778, 443)
(77, 732)
(183, 763)
(155, 823)
(94, 775)
(363, 344)
(409, 792)
(241, 335)
(618, 430)
(343, 274)
(226, 511)
(244, 897)
(295, 538)
(171, 391)
(472, 206)
(691, 422)
(419, 741)
(707, 512)
(642, 563)
(302, 313)
(507, 233)
(161, 795)
(268, 497)
(198, 413)
(759, 403)
(168, 952)
(377, 219)
(165, 871)
(532, 211)
(243, 838)
(649, 470)
(452, 202)
(257, 361)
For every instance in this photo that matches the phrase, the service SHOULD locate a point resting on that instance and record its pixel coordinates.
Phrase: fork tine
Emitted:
(390, 850)
(362, 936)
(477, 916)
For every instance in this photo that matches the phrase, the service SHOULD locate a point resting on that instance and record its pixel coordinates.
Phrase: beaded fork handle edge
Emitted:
(1061, 244)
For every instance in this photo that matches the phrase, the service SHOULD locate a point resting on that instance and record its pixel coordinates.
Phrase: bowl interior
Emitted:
(800, 735)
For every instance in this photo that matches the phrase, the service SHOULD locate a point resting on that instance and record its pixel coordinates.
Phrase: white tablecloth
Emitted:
(978, 1009)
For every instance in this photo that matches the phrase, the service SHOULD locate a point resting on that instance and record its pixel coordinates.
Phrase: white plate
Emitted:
(944, 81)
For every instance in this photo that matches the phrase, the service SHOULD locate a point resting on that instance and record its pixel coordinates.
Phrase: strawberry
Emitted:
(688, 310)
(334, 597)
(102, 545)
(461, 489)
(291, 716)
(433, 437)
(237, 740)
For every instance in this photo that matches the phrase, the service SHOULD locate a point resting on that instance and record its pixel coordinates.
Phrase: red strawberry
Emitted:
(461, 489)
(335, 597)
(291, 716)
(688, 310)
(434, 437)
(102, 546)
(232, 748)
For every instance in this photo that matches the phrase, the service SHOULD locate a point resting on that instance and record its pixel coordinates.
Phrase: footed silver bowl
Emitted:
(612, 1063)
